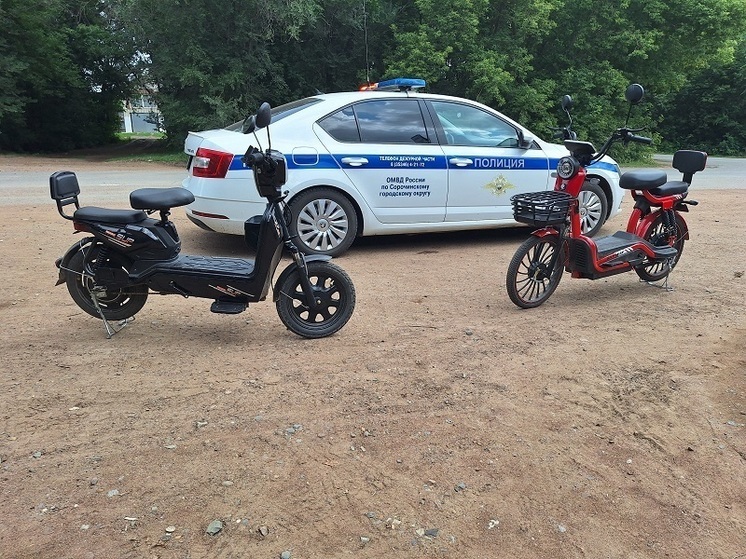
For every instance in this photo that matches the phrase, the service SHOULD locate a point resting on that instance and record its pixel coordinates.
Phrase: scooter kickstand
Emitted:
(664, 286)
(108, 326)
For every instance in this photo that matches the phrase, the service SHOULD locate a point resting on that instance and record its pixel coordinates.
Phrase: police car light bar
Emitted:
(397, 84)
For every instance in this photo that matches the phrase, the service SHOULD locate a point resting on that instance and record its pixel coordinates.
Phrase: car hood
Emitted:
(557, 151)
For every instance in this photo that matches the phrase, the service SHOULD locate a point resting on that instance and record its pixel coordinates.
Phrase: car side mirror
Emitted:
(525, 141)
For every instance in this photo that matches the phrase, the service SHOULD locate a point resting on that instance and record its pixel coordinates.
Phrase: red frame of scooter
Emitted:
(637, 224)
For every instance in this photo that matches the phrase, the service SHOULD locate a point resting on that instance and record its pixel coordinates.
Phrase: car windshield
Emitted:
(278, 113)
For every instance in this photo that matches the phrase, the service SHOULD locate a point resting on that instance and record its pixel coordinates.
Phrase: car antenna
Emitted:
(365, 31)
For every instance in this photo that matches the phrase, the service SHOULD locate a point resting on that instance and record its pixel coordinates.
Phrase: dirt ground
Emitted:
(442, 421)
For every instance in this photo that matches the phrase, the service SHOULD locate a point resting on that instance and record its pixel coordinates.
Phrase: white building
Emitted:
(141, 114)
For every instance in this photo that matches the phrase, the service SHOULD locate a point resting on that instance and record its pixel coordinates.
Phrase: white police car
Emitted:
(382, 161)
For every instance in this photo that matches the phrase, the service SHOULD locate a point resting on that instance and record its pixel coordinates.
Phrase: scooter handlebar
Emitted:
(639, 139)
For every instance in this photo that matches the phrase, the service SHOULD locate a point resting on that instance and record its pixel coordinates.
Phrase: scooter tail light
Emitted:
(211, 164)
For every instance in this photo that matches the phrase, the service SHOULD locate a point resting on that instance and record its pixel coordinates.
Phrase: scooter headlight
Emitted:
(567, 167)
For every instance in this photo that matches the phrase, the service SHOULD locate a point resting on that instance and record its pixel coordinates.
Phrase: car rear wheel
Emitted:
(324, 221)
(594, 208)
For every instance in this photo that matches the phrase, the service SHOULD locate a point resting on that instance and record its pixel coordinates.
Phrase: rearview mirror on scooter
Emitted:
(263, 115)
(567, 103)
(249, 124)
(634, 93)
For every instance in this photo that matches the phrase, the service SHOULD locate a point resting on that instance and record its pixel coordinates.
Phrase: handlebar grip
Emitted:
(640, 139)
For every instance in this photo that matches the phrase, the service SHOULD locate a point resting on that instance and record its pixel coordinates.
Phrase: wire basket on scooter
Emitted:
(541, 208)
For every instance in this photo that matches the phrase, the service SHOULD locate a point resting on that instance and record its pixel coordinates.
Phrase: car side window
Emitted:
(341, 125)
(470, 126)
(391, 121)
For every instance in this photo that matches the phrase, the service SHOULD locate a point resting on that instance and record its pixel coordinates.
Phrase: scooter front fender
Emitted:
(290, 269)
(62, 263)
(545, 232)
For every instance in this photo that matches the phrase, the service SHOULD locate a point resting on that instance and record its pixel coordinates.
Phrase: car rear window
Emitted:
(282, 111)
(386, 121)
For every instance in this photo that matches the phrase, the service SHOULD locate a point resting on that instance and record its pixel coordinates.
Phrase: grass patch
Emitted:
(151, 149)
(172, 157)
(127, 136)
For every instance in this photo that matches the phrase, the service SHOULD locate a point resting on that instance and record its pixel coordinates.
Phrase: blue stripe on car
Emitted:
(480, 162)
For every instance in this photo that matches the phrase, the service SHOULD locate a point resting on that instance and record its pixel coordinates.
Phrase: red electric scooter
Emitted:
(651, 245)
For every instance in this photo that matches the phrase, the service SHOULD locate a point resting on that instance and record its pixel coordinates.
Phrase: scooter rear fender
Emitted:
(290, 269)
(647, 222)
(62, 263)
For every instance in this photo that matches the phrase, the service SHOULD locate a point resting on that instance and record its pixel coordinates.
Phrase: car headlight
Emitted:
(567, 167)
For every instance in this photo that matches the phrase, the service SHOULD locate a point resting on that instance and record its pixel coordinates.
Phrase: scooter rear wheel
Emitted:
(116, 304)
(659, 235)
(335, 297)
(529, 280)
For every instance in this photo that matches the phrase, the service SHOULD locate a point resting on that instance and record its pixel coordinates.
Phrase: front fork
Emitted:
(305, 280)
(559, 257)
(309, 292)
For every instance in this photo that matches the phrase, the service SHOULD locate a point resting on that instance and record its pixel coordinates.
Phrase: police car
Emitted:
(385, 160)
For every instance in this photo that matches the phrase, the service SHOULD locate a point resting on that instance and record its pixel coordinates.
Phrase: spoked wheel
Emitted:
(659, 234)
(324, 221)
(334, 296)
(531, 279)
(116, 304)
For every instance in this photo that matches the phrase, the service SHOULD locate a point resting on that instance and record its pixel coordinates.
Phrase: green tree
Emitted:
(521, 56)
(211, 60)
(597, 48)
(65, 74)
(339, 50)
(710, 112)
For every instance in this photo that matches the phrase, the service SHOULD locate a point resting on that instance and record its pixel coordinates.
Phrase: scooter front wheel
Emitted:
(534, 271)
(334, 298)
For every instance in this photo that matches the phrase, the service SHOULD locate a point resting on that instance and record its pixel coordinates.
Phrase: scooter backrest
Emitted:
(689, 162)
(63, 185)
(64, 188)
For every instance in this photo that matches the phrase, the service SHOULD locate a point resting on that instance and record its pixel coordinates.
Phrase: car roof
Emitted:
(337, 100)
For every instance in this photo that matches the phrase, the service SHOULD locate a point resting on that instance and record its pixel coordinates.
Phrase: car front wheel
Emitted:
(594, 207)
(324, 221)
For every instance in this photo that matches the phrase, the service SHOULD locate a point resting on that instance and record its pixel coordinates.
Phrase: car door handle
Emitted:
(355, 161)
(461, 161)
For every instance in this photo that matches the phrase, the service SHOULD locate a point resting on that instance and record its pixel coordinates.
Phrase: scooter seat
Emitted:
(670, 188)
(92, 213)
(642, 180)
(160, 198)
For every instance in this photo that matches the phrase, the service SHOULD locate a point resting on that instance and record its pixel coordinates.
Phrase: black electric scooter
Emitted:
(110, 274)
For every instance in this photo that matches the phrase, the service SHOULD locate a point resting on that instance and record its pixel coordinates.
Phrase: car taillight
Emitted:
(211, 164)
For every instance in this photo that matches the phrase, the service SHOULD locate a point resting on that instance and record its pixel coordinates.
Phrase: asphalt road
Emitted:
(721, 172)
(98, 187)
